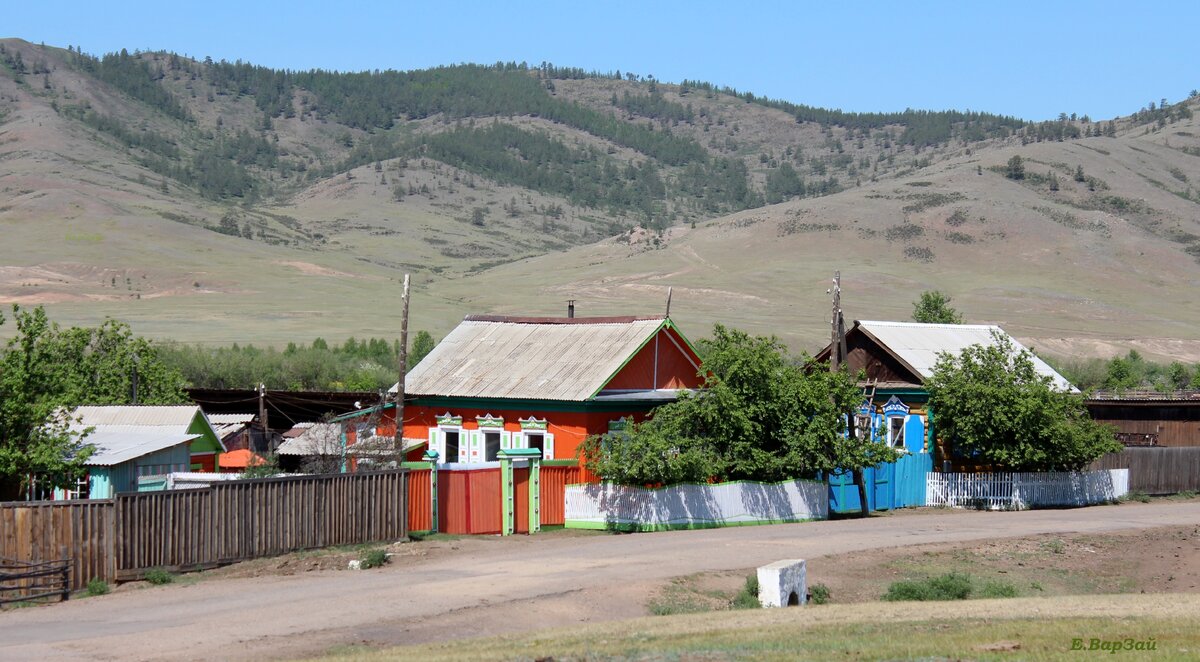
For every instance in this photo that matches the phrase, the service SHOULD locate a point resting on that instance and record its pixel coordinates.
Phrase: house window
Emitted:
(536, 440)
(451, 446)
(862, 424)
(896, 432)
(491, 446)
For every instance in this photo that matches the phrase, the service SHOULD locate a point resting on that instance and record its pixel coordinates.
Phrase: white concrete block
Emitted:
(783, 583)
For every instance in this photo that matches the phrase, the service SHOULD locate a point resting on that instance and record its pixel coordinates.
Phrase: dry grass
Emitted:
(1023, 628)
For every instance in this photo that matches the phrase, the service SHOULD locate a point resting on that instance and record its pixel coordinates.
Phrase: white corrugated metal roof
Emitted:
(136, 414)
(230, 419)
(124, 432)
(115, 444)
(919, 345)
(318, 439)
(523, 358)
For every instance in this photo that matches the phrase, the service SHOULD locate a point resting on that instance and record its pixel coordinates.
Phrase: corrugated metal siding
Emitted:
(566, 362)
(920, 344)
(469, 501)
(420, 501)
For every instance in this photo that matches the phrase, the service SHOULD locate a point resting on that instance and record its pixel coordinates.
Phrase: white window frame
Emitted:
(893, 439)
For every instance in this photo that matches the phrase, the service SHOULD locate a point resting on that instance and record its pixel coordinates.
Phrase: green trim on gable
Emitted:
(208, 442)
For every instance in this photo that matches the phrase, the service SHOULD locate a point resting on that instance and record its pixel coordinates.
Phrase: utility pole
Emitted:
(837, 332)
(398, 439)
(262, 417)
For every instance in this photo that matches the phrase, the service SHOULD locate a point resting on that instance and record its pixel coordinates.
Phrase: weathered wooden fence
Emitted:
(80, 531)
(121, 538)
(1157, 470)
(21, 581)
(1018, 491)
(694, 506)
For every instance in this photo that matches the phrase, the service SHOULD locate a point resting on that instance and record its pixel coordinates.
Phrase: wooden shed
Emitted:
(140, 440)
(1150, 418)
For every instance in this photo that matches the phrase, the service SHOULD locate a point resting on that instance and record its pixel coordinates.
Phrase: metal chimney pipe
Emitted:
(571, 308)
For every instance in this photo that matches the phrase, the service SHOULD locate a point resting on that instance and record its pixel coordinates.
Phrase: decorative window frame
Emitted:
(487, 423)
(537, 426)
(448, 422)
(895, 409)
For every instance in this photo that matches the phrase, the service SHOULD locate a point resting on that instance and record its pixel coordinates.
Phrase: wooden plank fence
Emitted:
(121, 538)
(1157, 470)
(21, 582)
(80, 531)
(1018, 491)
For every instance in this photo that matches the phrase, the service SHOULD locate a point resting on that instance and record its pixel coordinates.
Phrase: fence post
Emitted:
(66, 581)
(431, 456)
(535, 493)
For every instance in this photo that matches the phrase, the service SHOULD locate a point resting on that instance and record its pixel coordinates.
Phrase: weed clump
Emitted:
(374, 558)
(96, 587)
(952, 586)
(819, 594)
(747, 598)
(159, 576)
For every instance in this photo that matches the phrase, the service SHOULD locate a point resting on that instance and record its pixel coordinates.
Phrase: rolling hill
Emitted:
(222, 202)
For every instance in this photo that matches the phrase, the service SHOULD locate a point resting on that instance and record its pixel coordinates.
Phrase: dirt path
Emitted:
(484, 586)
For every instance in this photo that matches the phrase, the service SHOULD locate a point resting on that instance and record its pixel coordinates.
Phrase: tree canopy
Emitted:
(45, 370)
(994, 407)
(934, 308)
(762, 415)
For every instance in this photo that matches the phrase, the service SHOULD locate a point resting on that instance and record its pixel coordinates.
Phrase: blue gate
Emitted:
(899, 484)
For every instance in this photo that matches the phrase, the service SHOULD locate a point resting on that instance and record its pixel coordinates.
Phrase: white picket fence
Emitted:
(692, 506)
(1019, 491)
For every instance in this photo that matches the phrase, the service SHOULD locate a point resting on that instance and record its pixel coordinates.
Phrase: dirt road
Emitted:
(484, 586)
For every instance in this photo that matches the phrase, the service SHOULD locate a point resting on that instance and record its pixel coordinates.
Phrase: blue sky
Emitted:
(1029, 59)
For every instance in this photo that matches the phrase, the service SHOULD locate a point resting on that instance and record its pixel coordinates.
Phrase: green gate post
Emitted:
(431, 456)
(508, 489)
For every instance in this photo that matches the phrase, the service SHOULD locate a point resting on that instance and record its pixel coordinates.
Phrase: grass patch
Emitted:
(747, 598)
(1136, 495)
(96, 587)
(987, 632)
(923, 201)
(159, 576)
(959, 217)
(373, 558)
(904, 232)
(951, 586)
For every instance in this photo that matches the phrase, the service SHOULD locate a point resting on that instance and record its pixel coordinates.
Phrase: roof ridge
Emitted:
(515, 319)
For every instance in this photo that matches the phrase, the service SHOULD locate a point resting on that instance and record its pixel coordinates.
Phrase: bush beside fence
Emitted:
(1019, 491)
(692, 506)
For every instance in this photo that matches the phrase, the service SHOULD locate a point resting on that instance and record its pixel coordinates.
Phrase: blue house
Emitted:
(129, 442)
(897, 359)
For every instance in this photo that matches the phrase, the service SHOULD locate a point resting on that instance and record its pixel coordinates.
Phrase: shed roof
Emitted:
(115, 444)
(150, 415)
(317, 439)
(555, 358)
(918, 345)
(124, 432)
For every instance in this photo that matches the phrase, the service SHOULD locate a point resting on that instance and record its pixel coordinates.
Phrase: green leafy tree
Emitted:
(761, 416)
(993, 406)
(45, 370)
(1015, 168)
(934, 308)
(422, 344)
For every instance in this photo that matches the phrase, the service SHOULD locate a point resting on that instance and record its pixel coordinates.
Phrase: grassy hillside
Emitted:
(226, 202)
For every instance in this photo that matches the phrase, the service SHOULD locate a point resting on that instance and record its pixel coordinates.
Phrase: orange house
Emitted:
(500, 382)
